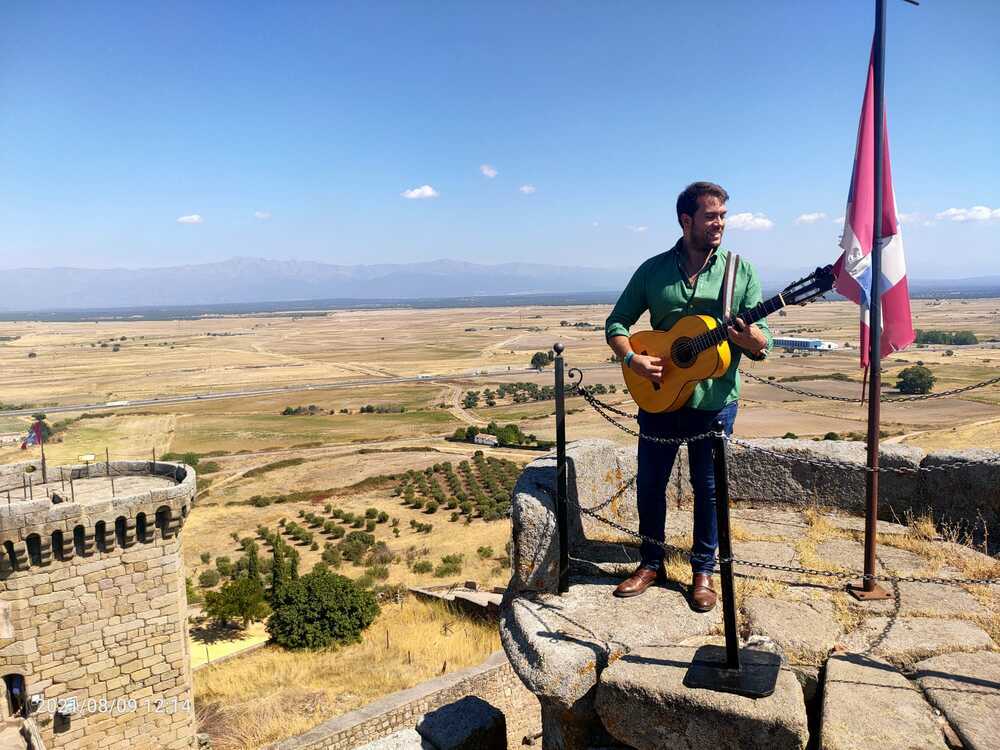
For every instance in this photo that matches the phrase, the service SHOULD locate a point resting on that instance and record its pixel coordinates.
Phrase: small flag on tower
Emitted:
(854, 267)
(34, 436)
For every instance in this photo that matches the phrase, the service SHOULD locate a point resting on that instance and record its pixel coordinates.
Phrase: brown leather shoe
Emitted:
(638, 582)
(702, 594)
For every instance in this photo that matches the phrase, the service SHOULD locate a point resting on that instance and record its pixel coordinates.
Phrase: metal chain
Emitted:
(594, 401)
(644, 436)
(883, 399)
(843, 575)
(600, 407)
(618, 493)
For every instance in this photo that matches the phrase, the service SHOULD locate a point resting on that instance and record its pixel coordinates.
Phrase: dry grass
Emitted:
(272, 694)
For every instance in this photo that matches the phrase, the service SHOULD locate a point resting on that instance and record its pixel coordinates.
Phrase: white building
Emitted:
(814, 345)
(484, 438)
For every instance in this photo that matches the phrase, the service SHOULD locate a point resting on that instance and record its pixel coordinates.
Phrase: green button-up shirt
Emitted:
(659, 285)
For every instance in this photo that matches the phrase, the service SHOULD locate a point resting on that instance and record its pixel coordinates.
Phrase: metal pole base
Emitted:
(756, 678)
(857, 590)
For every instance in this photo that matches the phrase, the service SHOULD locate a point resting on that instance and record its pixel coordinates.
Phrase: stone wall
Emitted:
(96, 601)
(963, 488)
(494, 681)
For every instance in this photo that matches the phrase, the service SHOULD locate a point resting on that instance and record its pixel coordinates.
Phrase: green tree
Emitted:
(915, 379)
(319, 609)
(539, 360)
(241, 600)
(253, 562)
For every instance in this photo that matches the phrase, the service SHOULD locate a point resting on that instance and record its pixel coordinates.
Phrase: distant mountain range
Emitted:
(241, 280)
(250, 280)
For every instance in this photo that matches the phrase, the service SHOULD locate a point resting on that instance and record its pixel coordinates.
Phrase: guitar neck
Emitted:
(717, 335)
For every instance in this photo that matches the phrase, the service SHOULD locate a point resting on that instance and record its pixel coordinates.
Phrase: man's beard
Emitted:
(704, 244)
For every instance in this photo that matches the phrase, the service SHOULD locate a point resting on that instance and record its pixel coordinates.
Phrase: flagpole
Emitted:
(869, 589)
(41, 442)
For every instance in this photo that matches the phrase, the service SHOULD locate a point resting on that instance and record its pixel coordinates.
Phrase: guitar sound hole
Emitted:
(682, 354)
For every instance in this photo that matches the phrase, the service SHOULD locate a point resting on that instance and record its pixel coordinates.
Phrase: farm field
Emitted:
(262, 468)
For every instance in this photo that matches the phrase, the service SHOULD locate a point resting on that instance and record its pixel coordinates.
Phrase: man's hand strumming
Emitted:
(650, 368)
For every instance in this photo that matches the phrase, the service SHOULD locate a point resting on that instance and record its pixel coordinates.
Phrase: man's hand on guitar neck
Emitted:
(748, 338)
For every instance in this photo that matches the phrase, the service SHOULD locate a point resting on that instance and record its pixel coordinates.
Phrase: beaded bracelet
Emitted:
(628, 360)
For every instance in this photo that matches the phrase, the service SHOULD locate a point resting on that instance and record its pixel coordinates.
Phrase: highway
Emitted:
(219, 395)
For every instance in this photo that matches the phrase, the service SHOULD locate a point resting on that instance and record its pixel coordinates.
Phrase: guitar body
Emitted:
(682, 369)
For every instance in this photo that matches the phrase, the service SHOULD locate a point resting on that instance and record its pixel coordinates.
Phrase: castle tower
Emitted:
(93, 636)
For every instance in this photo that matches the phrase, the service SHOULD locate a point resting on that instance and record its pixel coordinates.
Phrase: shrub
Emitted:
(193, 597)
(208, 578)
(206, 557)
(241, 600)
(790, 436)
(371, 513)
(831, 436)
(383, 517)
(423, 566)
(916, 379)
(370, 524)
(450, 565)
(320, 609)
(331, 556)
(431, 507)
(485, 553)
(224, 565)
(378, 572)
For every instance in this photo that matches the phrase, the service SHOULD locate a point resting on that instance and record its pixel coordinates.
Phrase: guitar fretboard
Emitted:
(717, 335)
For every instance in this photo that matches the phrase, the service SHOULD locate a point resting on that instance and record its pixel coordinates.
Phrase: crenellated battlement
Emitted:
(64, 522)
(93, 611)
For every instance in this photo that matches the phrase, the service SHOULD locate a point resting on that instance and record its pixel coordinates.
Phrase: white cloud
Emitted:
(488, 170)
(810, 218)
(840, 220)
(262, 215)
(904, 218)
(749, 221)
(595, 224)
(527, 189)
(633, 228)
(424, 191)
(190, 219)
(976, 213)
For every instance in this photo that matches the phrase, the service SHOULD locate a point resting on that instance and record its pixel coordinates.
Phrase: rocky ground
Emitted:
(920, 669)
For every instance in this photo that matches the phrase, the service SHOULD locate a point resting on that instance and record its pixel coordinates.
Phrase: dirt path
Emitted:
(459, 412)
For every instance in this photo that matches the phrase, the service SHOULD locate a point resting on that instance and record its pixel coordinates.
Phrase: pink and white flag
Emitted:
(853, 269)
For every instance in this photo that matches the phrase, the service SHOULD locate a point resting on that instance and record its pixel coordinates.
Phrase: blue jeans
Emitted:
(655, 463)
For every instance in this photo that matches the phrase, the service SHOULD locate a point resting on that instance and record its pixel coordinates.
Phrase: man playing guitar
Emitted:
(685, 280)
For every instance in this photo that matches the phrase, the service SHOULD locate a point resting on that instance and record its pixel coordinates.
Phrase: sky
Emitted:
(154, 134)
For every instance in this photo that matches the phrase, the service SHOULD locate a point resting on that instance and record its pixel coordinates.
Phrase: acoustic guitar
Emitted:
(696, 348)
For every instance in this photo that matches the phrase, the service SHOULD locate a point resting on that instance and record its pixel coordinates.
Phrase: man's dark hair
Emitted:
(687, 201)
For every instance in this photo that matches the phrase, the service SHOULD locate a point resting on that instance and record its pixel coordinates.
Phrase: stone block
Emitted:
(966, 689)
(404, 739)
(559, 645)
(804, 630)
(644, 704)
(867, 703)
(467, 724)
(965, 491)
(903, 641)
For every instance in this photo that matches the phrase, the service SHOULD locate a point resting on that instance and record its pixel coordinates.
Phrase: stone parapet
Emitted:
(36, 532)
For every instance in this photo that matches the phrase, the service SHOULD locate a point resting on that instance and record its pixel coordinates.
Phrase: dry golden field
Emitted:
(339, 450)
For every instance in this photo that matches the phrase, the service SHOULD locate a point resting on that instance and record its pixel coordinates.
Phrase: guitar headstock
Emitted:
(810, 287)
